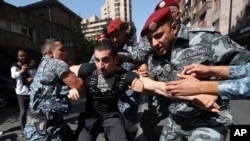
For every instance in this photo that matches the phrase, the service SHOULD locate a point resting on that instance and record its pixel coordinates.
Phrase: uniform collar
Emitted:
(183, 32)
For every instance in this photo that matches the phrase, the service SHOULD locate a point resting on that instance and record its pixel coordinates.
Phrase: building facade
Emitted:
(230, 17)
(111, 9)
(93, 26)
(117, 9)
(28, 26)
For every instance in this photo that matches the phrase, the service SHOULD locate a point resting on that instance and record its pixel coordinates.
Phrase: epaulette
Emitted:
(202, 29)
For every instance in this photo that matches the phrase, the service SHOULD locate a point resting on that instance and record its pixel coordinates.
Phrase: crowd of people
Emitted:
(187, 75)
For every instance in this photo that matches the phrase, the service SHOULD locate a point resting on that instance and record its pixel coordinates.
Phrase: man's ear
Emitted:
(50, 53)
(117, 58)
(174, 27)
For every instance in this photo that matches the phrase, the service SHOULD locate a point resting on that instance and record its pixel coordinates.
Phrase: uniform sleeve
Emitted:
(60, 67)
(226, 52)
(239, 71)
(86, 69)
(139, 54)
(130, 76)
(234, 89)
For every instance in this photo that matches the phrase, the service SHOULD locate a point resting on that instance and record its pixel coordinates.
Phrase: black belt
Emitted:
(36, 115)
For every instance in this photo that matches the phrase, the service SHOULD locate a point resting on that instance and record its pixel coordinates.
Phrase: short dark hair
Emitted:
(106, 45)
(20, 50)
(48, 44)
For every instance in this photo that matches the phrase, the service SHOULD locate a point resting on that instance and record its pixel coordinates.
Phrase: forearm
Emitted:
(220, 71)
(208, 87)
(71, 80)
(159, 88)
(154, 87)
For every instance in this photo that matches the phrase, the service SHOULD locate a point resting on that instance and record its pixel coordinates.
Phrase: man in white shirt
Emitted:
(19, 72)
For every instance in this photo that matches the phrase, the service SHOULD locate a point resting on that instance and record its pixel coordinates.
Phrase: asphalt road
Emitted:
(10, 126)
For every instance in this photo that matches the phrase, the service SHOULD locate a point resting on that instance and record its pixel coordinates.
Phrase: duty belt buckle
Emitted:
(41, 127)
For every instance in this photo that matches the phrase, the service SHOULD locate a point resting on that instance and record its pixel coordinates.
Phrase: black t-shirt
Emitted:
(105, 92)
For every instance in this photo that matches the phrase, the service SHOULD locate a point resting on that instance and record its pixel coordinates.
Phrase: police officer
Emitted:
(118, 35)
(50, 96)
(102, 36)
(174, 7)
(175, 47)
(152, 112)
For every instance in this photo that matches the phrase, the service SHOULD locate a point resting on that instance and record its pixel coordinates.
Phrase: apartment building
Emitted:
(111, 9)
(230, 17)
(26, 27)
(93, 26)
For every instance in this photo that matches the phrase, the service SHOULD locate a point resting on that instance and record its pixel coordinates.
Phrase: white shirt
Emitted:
(21, 89)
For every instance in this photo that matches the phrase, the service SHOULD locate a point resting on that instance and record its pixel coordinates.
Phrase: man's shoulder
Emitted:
(16, 65)
(86, 69)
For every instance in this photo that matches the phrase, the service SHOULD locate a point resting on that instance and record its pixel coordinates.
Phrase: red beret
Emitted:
(101, 35)
(114, 25)
(166, 3)
(155, 20)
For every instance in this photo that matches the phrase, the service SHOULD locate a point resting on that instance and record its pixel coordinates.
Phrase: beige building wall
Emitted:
(216, 13)
(117, 9)
(111, 9)
(237, 7)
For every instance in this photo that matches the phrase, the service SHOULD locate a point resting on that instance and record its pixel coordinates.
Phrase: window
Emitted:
(23, 30)
(31, 34)
(41, 15)
(216, 24)
(14, 27)
(2, 24)
(216, 4)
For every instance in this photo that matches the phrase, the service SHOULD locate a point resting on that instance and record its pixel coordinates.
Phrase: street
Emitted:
(10, 126)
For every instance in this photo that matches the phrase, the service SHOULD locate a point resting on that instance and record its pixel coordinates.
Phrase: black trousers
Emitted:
(23, 101)
(113, 129)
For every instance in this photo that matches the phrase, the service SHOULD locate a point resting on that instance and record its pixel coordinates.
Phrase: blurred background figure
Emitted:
(23, 78)
(33, 67)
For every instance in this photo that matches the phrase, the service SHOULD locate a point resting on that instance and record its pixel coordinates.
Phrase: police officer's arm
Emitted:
(226, 89)
(225, 72)
(203, 71)
(189, 85)
(82, 71)
(159, 88)
(204, 101)
(72, 81)
(75, 69)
